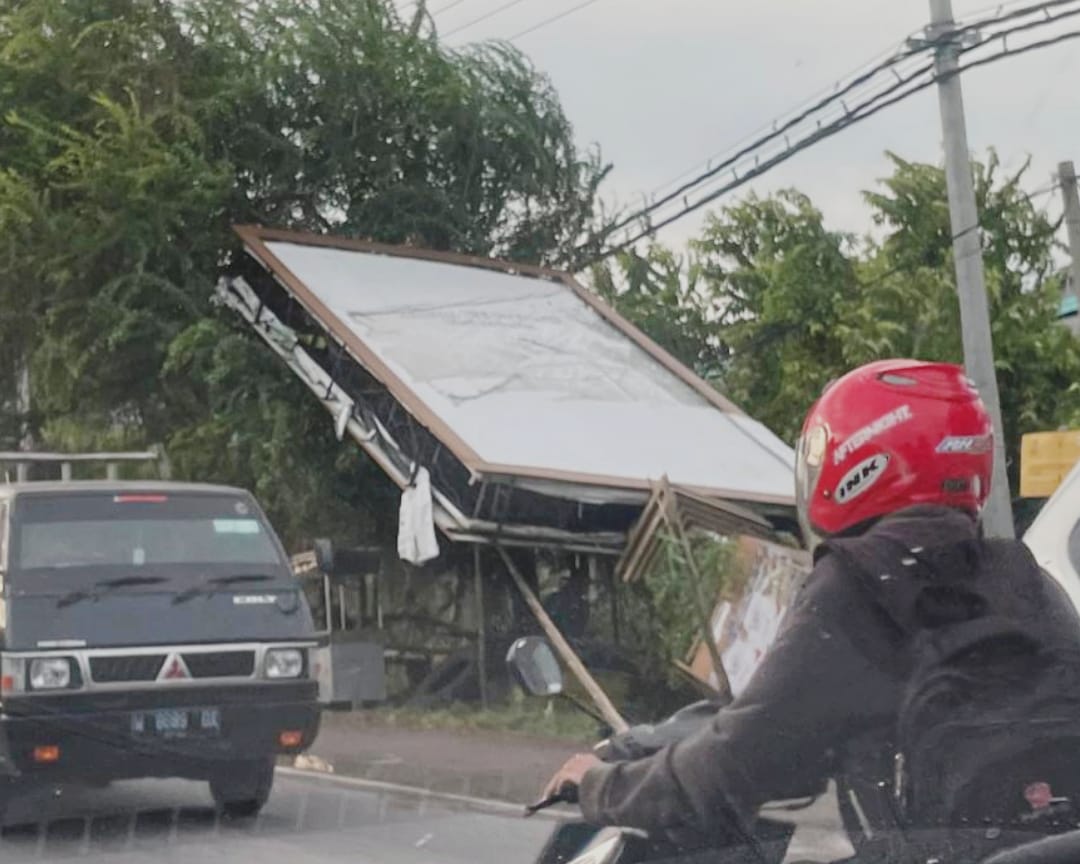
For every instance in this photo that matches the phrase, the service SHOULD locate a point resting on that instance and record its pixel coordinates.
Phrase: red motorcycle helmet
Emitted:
(890, 435)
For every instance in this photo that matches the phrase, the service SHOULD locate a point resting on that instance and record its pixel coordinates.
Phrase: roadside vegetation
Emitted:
(134, 133)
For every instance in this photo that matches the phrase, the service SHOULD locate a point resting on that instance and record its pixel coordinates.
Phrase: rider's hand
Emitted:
(571, 773)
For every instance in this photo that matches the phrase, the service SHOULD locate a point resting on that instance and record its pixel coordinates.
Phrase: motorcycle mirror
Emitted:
(534, 667)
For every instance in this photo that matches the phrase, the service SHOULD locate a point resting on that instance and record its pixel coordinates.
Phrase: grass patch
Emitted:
(536, 718)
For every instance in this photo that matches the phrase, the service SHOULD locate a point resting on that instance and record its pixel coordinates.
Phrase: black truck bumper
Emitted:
(103, 737)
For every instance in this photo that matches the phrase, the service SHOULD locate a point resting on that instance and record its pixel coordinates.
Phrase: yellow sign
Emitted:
(1045, 459)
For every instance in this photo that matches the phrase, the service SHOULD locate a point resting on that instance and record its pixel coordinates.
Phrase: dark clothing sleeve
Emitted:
(826, 678)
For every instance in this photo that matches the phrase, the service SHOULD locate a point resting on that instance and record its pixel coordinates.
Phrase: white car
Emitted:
(1054, 536)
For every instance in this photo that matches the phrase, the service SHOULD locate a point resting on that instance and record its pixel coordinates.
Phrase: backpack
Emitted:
(988, 730)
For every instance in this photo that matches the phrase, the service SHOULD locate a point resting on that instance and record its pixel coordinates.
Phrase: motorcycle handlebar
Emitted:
(568, 794)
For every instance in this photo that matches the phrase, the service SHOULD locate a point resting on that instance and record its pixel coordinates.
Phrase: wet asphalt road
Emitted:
(307, 821)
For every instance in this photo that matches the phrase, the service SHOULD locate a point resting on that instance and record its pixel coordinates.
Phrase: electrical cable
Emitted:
(496, 11)
(859, 114)
(763, 167)
(1039, 193)
(1024, 49)
(887, 64)
(446, 7)
(432, 12)
(998, 18)
(552, 20)
(738, 159)
(777, 132)
(1020, 28)
(876, 60)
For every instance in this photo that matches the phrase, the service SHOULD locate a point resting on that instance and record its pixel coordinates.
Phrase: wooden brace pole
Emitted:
(669, 507)
(481, 626)
(723, 684)
(566, 653)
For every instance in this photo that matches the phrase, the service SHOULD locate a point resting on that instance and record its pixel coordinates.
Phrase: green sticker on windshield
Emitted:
(236, 526)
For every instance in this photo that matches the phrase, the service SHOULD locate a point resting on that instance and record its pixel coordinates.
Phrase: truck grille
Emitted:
(131, 667)
(221, 664)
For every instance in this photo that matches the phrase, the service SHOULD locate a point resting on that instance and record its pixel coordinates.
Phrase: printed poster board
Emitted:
(758, 592)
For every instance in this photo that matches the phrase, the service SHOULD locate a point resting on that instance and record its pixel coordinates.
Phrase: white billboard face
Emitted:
(531, 378)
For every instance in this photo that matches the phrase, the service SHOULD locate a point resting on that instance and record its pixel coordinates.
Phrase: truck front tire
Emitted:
(241, 789)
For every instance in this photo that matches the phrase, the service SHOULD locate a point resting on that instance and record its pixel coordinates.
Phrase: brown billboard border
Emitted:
(255, 239)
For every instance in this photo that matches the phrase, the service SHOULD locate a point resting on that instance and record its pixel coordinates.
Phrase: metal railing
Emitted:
(23, 459)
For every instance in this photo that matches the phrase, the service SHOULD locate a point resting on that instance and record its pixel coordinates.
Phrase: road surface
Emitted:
(307, 821)
(478, 762)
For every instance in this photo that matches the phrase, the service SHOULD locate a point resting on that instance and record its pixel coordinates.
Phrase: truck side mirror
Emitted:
(534, 667)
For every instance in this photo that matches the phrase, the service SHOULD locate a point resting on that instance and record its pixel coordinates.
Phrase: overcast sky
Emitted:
(662, 85)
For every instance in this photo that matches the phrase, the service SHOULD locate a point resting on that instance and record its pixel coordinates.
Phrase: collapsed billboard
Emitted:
(523, 393)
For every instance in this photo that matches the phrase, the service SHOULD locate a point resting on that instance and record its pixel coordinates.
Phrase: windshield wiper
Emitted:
(212, 586)
(103, 587)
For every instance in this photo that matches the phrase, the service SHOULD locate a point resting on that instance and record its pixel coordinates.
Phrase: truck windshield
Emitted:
(68, 531)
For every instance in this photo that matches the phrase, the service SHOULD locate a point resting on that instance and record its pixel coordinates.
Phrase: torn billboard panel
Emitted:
(464, 509)
(671, 511)
(522, 374)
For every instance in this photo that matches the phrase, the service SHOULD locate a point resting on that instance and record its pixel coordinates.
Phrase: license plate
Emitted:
(177, 722)
(166, 722)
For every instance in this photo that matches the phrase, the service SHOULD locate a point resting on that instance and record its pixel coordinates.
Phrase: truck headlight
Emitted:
(284, 663)
(50, 673)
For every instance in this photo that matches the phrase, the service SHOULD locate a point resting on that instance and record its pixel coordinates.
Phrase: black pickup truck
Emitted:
(149, 630)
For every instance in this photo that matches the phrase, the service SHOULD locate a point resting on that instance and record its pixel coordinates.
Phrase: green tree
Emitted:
(133, 133)
(783, 288)
(787, 305)
(1037, 361)
(663, 297)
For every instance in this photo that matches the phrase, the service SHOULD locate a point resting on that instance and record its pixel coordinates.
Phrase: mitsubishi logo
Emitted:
(174, 669)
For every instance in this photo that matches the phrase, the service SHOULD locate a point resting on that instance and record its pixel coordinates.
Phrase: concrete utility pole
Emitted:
(967, 250)
(1071, 197)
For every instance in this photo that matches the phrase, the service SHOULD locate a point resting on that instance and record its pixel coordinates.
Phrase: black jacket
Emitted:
(835, 674)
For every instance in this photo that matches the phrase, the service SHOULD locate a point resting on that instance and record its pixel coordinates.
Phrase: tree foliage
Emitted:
(133, 133)
(775, 304)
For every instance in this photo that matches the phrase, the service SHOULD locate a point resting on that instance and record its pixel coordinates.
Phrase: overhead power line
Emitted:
(860, 113)
(446, 7)
(1023, 49)
(902, 89)
(405, 8)
(839, 93)
(837, 101)
(1045, 190)
(540, 25)
(496, 11)
(776, 133)
(828, 94)
(1030, 25)
(997, 13)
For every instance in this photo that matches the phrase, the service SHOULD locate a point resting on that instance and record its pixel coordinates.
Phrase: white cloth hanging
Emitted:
(416, 524)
